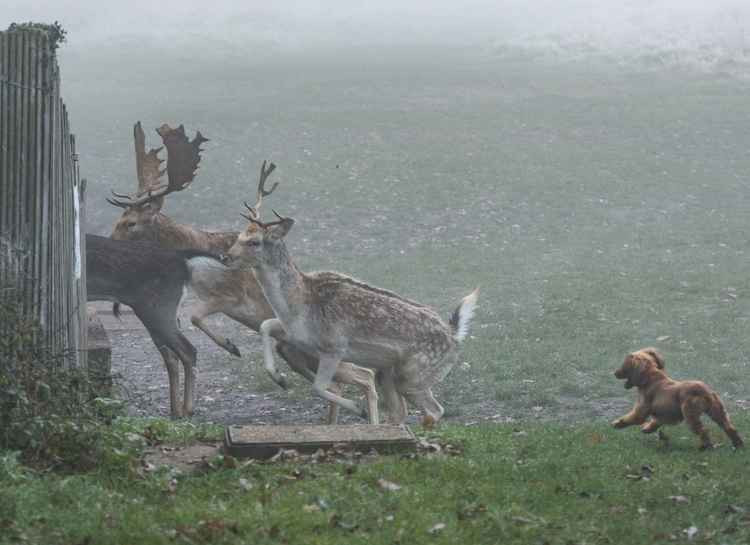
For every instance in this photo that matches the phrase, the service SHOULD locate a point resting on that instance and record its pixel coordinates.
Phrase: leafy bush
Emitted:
(55, 32)
(46, 408)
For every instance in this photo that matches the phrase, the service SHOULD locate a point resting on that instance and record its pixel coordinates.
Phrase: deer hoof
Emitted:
(232, 348)
(281, 381)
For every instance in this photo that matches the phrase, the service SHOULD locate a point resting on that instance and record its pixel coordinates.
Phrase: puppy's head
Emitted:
(635, 369)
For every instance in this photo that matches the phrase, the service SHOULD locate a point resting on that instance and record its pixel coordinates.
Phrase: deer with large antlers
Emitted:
(333, 317)
(231, 291)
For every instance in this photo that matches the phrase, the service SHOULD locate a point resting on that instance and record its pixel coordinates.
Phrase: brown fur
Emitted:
(662, 400)
(148, 223)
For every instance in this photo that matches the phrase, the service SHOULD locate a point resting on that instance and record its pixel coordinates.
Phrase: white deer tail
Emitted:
(463, 314)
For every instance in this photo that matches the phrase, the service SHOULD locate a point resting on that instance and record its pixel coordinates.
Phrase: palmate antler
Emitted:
(183, 157)
(147, 165)
(254, 210)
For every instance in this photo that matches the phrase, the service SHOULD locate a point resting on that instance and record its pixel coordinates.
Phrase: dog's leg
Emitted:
(655, 425)
(718, 414)
(635, 417)
(692, 409)
(651, 426)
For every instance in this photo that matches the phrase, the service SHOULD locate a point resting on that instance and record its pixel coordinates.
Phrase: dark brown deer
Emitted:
(234, 292)
(151, 280)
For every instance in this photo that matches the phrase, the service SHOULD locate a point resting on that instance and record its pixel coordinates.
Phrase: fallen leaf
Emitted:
(388, 485)
(245, 484)
(663, 338)
(171, 486)
(733, 509)
(311, 508)
(679, 499)
(691, 531)
(428, 446)
(439, 527)
(230, 462)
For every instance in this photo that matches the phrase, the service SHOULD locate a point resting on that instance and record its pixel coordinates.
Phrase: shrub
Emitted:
(55, 32)
(46, 410)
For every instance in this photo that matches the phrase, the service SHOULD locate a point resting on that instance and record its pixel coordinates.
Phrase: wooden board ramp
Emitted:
(263, 442)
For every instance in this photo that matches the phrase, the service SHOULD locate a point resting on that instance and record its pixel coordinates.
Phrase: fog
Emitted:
(487, 25)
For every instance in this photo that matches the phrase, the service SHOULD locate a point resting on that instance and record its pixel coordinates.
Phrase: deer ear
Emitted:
(280, 230)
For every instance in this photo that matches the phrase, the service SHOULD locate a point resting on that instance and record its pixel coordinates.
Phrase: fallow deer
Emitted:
(333, 317)
(151, 280)
(234, 292)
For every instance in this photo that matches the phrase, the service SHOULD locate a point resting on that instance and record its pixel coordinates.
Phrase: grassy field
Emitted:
(600, 209)
(531, 483)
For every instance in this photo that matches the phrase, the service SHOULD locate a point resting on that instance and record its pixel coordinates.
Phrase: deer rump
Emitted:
(129, 272)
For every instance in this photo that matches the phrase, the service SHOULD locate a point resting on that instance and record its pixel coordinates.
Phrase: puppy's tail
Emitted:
(463, 314)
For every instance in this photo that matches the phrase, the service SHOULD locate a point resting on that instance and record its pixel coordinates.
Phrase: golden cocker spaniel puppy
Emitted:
(662, 400)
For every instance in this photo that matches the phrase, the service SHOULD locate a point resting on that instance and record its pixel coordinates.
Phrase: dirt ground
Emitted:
(231, 390)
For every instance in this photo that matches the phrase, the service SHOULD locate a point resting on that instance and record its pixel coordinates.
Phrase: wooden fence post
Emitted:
(40, 193)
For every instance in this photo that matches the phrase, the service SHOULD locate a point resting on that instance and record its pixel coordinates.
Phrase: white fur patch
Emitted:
(465, 314)
(204, 264)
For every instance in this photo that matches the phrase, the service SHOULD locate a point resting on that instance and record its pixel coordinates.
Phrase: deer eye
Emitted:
(131, 224)
(253, 242)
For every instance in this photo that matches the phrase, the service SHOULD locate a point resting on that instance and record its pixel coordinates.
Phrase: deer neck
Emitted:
(171, 234)
(282, 284)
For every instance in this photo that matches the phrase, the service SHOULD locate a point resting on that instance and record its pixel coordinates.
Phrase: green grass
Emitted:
(531, 483)
(599, 209)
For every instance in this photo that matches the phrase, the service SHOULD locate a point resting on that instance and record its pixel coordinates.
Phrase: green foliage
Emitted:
(534, 483)
(55, 32)
(46, 410)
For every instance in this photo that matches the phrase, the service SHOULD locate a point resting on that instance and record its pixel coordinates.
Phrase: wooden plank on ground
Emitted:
(262, 442)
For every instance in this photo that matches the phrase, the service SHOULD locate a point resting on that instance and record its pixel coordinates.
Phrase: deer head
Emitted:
(140, 210)
(253, 243)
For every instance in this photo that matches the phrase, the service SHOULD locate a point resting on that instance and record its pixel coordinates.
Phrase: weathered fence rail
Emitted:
(40, 193)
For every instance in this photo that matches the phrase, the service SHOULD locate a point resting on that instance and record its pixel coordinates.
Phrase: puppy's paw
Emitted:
(618, 424)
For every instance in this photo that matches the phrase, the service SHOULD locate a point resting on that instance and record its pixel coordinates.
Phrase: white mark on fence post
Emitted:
(77, 217)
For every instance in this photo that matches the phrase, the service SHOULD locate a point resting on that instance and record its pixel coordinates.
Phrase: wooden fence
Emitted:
(41, 198)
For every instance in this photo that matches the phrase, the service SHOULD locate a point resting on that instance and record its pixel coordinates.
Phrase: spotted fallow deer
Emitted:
(233, 292)
(333, 317)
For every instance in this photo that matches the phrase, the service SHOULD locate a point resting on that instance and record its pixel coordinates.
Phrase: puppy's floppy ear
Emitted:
(639, 375)
(658, 358)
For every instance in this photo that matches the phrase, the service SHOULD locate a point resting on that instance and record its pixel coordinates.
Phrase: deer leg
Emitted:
(333, 409)
(327, 367)
(424, 399)
(161, 324)
(159, 335)
(173, 373)
(348, 373)
(203, 310)
(395, 404)
(299, 362)
(267, 329)
(187, 354)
